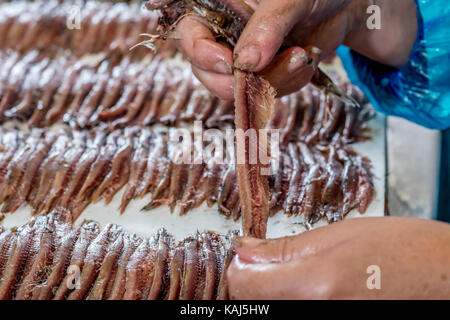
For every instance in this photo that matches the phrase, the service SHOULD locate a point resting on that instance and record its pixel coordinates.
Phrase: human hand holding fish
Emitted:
(281, 40)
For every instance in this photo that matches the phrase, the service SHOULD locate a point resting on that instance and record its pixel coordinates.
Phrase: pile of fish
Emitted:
(47, 258)
(72, 168)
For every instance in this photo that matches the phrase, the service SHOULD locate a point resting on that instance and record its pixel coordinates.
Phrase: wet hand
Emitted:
(303, 24)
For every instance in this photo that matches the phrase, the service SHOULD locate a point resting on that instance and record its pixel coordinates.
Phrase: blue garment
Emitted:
(420, 91)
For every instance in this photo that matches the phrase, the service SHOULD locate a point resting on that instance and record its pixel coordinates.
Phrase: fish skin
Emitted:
(61, 257)
(138, 167)
(82, 169)
(88, 233)
(161, 265)
(313, 187)
(149, 114)
(120, 169)
(176, 271)
(10, 143)
(42, 258)
(49, 169)
(94, 259)
(7, 240)
(113, 90)
(117, 290)
(139, 271)
(49, 83)
(93, 99)
(210, 269)
(107, 271)
(100, 168)
(17, 166)
(32, 170)
(65, 170)
(17, 259)
(190, 269)
(144, 91)
(62, 95)
(156, 165)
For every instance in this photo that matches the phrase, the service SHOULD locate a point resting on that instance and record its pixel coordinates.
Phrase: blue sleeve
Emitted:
(420, 91)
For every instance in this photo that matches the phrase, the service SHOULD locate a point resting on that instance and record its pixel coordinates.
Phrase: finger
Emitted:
(291, 70)
(252, 3)
(293, 280)
(197, 43)
(302, 246)
(219, 84)
(247, 282)
(266, 30)
(270, 251)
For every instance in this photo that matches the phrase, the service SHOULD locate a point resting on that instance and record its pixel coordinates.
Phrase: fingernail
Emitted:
(247, 58)
(223, 67)
(316, 51)
(249, 243)
(297, 61)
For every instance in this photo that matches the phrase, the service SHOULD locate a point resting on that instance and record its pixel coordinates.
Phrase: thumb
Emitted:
(299, 247)
(251, 250)
(282, 250)
(266, 30)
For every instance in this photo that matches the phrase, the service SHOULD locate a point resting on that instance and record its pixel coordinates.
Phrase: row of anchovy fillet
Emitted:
(73, 168)
(48, 258)
(117, 91)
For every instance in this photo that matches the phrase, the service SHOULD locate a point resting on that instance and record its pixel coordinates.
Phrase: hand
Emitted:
(331, 262)
(325, 24)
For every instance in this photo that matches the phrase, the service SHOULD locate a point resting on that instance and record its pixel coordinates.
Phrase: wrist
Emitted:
(393, 42)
